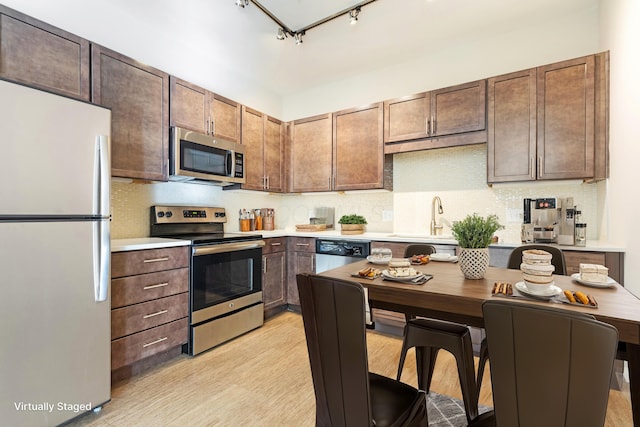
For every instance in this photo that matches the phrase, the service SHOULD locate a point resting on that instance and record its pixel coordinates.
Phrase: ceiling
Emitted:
(387, 32)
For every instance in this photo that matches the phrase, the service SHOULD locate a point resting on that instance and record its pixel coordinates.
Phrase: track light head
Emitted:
(242, 3)
(281, 34)
(298, 38)
(353, 15)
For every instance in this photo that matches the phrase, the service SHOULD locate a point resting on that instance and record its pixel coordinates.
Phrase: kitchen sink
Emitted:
(423, 236)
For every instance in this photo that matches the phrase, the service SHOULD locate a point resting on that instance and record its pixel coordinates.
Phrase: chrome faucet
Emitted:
(435, 228)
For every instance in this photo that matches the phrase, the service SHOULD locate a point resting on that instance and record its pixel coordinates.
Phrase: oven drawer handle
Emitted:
(154, 342)
(159, 285)
(227, 247)
(157, 313)
(156, 260)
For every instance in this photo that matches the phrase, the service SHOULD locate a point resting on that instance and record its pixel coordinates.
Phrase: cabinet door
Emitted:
(273, 151)
(187, 105)
(458, 109)
(226, 118)
(43, 56)
(298, 262)
(253, 142)
(358, 148)
(566, 114)
(138, 96)
(511, 143)
(406, 118)
(311, 154)
(274, 279)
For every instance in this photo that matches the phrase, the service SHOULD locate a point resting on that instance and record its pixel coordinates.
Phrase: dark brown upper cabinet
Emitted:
(138, 96)
(263, 139)
(549, 122)
(197, 109)
(40, 55)
(441, 118)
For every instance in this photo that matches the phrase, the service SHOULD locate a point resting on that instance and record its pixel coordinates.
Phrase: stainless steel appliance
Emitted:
(334, 253)
(323, 216)
(225, 276)
(55, 362)
(204, 159)
(549, 220)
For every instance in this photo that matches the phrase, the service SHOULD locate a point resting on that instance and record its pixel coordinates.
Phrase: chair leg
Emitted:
(467, 377)
(484, 357)
(425, 364)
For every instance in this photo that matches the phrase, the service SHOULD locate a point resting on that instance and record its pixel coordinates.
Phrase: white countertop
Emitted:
(592, 245)
(122, 245)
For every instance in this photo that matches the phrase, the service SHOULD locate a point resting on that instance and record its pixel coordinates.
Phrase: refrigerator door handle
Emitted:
(101, 236)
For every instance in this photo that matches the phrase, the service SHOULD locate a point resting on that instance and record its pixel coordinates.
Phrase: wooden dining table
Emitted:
(449, 296)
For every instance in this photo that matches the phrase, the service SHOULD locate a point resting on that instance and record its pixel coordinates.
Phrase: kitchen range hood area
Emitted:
(485, 130)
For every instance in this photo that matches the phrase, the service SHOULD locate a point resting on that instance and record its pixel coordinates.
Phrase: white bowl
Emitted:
(539, 288)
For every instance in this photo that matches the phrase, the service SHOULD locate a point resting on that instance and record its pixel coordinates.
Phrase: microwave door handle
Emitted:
(229, 163)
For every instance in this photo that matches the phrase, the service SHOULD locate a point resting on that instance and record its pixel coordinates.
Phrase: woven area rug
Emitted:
(445, 411)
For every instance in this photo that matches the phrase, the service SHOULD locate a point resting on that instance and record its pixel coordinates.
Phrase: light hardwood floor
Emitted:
(263, 379)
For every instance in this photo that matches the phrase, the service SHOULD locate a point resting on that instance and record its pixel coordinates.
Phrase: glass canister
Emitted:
(581, 234)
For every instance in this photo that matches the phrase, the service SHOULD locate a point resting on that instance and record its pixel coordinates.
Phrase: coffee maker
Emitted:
(549, 220)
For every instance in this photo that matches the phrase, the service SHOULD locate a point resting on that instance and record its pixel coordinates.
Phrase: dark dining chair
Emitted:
(549, 366)
(347, 394)
(418, 249)
(515, 259)
(429, 336)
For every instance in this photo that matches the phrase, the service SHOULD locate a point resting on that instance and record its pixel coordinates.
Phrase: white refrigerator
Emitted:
(55, 350)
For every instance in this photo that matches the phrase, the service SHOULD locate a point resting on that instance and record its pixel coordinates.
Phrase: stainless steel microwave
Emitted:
(200, 158)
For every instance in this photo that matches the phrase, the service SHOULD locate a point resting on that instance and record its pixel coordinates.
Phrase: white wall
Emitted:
(620, 33)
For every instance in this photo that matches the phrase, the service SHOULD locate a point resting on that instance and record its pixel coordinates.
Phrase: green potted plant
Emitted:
(474, 234)
(352, 224)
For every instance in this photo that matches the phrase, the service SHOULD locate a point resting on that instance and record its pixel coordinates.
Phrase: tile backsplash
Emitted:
(456, 175)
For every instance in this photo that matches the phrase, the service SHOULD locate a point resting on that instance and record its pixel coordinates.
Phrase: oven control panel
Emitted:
(186, 214)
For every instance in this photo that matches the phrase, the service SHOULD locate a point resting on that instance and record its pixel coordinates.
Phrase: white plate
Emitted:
(610, 282)
(378, 260)
(385, 273)
(443, 257)
(552, 291)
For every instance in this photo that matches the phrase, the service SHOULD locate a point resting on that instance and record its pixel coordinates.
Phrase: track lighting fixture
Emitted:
(284, 31)
(353, 15)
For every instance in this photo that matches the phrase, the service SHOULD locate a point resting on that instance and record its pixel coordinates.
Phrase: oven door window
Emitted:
(224, 276)
(203, 159)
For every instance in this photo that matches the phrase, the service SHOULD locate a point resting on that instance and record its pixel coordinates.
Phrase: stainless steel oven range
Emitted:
(225, 283)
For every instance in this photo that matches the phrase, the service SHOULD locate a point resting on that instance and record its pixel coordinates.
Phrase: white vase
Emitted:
(473, 262)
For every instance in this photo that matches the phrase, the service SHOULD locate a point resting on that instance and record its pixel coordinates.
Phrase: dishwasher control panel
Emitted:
(348, 248)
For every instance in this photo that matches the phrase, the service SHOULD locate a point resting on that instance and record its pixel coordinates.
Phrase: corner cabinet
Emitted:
(549, 122)
(263, 139)
(274, 275)
(150, 308)
(340, 151)
(441, 118)
(138, 96)
(38, 54)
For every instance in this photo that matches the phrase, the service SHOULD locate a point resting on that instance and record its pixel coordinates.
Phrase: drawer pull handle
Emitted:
(156, 260)
(302, 244)
(275, 244)
(159, 285)
(146, 316)
(154, 342)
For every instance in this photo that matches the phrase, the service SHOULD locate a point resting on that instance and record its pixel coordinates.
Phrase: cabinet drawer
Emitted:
(573, 259)
(147, 261)
(302, 244)
(138, 317)
(275, 244)
(145, 287)
(127, 350)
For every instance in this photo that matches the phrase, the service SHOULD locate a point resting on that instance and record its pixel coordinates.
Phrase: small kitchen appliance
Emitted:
(225, 284)
(567, 222)
(541, 220)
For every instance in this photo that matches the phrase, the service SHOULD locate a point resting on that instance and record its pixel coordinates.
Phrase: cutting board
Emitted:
(311, 227)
